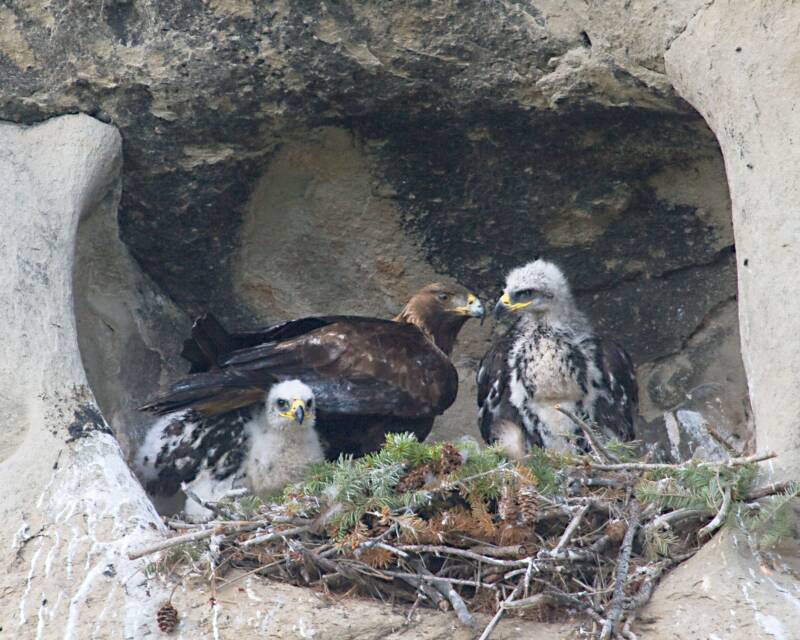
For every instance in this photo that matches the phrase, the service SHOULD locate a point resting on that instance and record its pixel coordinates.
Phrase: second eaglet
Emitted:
(551, 357)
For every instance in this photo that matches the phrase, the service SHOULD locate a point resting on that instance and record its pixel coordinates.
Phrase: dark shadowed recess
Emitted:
(482, 190)
(487, 191)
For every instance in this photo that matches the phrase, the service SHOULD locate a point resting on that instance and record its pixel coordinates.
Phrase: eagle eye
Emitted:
(282, 404)
(443, 296)
(524, 294)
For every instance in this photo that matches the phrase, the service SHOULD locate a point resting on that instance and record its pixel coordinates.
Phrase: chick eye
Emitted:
(443, 297)
(282, 404)
(523, 294)
(310, 404)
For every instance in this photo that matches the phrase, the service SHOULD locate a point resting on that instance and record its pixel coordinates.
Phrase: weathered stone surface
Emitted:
(734, 63)
(744, 87)
(386, 144)
(70, 506)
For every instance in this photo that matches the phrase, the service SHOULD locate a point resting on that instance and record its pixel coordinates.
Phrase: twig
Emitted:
(275, 535)
(500, 611)
(716, 435)
(447, 590)
(213, 508)
(534, 601)
(453, 551)
(431, 578)
(716, 523)
(191, 537)
(513, 551)
(669, 519)
(621, 574)
(591, 436)
(654, 466)
(767, 490)
(570, 530)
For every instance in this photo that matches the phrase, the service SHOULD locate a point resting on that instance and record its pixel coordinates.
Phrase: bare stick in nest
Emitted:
(275, 535)
(221, 528)
(447, 590)
(719, 519)
(212, 507)
(493, 622)
(594, 440)
(454, 551)
(621, 577)
(767, 490)
(716, 435)
(513, 551)
(431, 578)
(654, 466)
(671, 518)
(572, 527)
(539, 600)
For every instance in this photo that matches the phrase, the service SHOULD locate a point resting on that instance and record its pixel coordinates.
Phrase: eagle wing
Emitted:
(619, 411)
(494, 404)
(179, 446)
(355, 366)
(361, 366)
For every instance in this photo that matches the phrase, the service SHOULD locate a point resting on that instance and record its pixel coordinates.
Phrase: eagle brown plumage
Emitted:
(369, 376)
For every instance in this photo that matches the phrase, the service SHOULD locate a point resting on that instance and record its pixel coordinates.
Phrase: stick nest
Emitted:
(549, 537)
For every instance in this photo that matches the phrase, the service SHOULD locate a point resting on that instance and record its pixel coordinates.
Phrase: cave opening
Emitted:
(353, 215)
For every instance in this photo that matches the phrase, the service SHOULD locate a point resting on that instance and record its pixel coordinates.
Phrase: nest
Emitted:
(550, 537)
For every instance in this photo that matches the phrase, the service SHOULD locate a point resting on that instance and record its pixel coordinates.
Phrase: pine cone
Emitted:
(167, 618)
(616, 530)
(450, 460)
(507, 507)
(414, 479)
(528, 508)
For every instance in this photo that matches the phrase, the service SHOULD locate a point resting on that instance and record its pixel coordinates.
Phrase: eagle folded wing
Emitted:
(354, 366)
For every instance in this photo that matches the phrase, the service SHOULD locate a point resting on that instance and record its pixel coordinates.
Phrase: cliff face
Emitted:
(288, 158)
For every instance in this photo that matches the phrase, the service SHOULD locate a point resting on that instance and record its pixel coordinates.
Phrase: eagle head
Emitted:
(439, 310)
(537, 288)
(290, 404)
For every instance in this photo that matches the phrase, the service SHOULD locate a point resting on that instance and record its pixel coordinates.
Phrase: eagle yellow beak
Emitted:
(296, 412)
(504, 305)
(473, 308)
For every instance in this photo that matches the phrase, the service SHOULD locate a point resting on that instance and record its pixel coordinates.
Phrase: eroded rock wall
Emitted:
(305, 157)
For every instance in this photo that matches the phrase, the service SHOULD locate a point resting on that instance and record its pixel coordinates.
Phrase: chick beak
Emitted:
(299, 411)
(502, 306)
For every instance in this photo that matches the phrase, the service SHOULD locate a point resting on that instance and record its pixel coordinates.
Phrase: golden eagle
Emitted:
(369, 376)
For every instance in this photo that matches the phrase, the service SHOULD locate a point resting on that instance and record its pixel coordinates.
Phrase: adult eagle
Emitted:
(550, 356)
(369, 376)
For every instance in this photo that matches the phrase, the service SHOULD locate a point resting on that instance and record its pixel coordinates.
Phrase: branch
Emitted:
(275, 535)
(570, 530)
(654, 466)
(621, 574)
(463, 553)
(210, 506)
(716, 523)
(767, 490)
(534, 601)
(493, 622)
(192, 537)
(591, 436)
